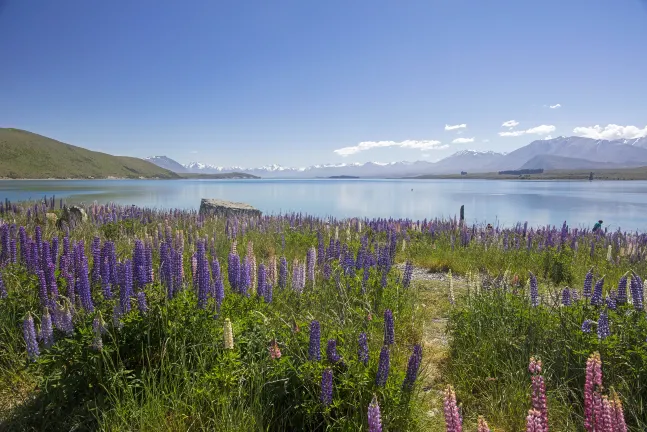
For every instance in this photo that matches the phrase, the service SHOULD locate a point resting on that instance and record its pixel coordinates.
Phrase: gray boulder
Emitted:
(227, 208)
(71, 217)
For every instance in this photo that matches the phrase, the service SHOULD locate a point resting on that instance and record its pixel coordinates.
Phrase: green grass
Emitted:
(25, 155)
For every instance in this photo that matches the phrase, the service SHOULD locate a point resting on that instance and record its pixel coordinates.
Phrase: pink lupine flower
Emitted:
(607, 415)
(593, 379)
(539, 392)
(482, 425)
(533, 421)
(618, 415)
(453, 420)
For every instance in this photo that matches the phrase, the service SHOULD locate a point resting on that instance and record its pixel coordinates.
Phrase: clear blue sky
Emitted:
(288, 82)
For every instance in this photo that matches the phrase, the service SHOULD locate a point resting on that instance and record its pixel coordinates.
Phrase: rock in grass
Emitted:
(227, 208)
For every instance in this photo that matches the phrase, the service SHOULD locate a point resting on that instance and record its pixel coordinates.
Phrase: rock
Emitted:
(227, 208)
(71, 217)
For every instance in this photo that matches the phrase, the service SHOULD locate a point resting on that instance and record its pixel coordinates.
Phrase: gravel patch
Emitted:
(423, 274)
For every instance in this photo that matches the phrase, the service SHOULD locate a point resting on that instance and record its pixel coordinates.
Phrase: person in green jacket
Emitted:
(597, 226)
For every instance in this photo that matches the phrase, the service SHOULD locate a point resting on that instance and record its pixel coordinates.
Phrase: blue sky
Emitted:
(289, 82)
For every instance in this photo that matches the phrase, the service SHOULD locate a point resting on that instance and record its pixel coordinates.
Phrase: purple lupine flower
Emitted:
(233, 271)
(261, 281)
(636, 292)
(13, 252)
(44, 297)
(587, 326)
(326, 387)
(83, 288)
(362, 350)
(383, 281)
(413, 367)
(203, 282)
(117, 313)
(622, 290)
(104, 273)
(3, 289)
(139, 265)
(603, 326)
(245, 280)
(311, 259)
(408, 273)
(383, 367)
(283, 273)
(46, 331)
(314, 349)
(50, 276)
(54, 250)
(566, 297)
(374, 417)
(96, 259)
(588, 284)
(611, 301)
(327, 271)
(331, 351)
(29, 333)
(534, 291)
(141, 302)
(389, 332)
(268, 291)
(596, 298)
(65, 321)
(148, 262)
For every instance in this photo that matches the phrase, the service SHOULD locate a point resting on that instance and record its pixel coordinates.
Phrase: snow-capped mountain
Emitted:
(562, 152)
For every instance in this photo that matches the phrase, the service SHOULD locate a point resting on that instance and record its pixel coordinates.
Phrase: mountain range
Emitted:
(561, 153)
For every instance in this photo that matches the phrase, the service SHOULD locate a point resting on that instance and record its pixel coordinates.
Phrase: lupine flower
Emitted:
(311, 259)
(245, 277)
(228, 335)
(283, 273)
(326, 387)
(453, 421)
(331, 351)
(596, 299)
(389, 332)
(586, 326)
(603, 326)
(314, 349)
(636, 287)
(408, 273)
(611, 302)
(65, 321)
(533, 421)
(362, 350)
(202, 279)
(117, 313)
(275, 351)
(84, 284)
(383, 367)
(534, 291)
(233, 271)
(566, 297)
(3, 289)
(374, 416)
(46, 331)
(126, 290)
(618, 416)
(261, 281)
(141, 302)
(622, 290)
(539, 392)
(413, 367)
(482, 425)
(588, 284)
(593, 380)
(29, 333)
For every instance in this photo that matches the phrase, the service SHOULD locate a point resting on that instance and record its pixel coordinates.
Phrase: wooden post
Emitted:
(462, 214)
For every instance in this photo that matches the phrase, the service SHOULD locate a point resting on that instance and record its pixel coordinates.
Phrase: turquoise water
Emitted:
(619, 204)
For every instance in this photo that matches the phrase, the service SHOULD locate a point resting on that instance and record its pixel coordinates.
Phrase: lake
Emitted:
(618, 203)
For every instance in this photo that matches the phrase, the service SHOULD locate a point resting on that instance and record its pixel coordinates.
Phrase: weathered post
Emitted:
(462, 214)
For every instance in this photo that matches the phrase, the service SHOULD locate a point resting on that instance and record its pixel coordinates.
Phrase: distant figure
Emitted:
(597, 226)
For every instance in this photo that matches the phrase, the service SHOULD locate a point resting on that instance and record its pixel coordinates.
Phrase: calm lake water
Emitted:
(619, 204)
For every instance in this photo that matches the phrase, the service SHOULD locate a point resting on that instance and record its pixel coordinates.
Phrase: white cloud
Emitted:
(410, 144)
(555, 106)
(463, 140)
(611, 132)
(510, 124)
(547, 137)
(454, 127)
(538, 130)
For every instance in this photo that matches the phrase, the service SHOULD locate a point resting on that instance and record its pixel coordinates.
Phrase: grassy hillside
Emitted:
(28, 155)
(639, 173)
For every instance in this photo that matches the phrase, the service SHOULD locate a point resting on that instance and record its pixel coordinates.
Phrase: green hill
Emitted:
(26, 155)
